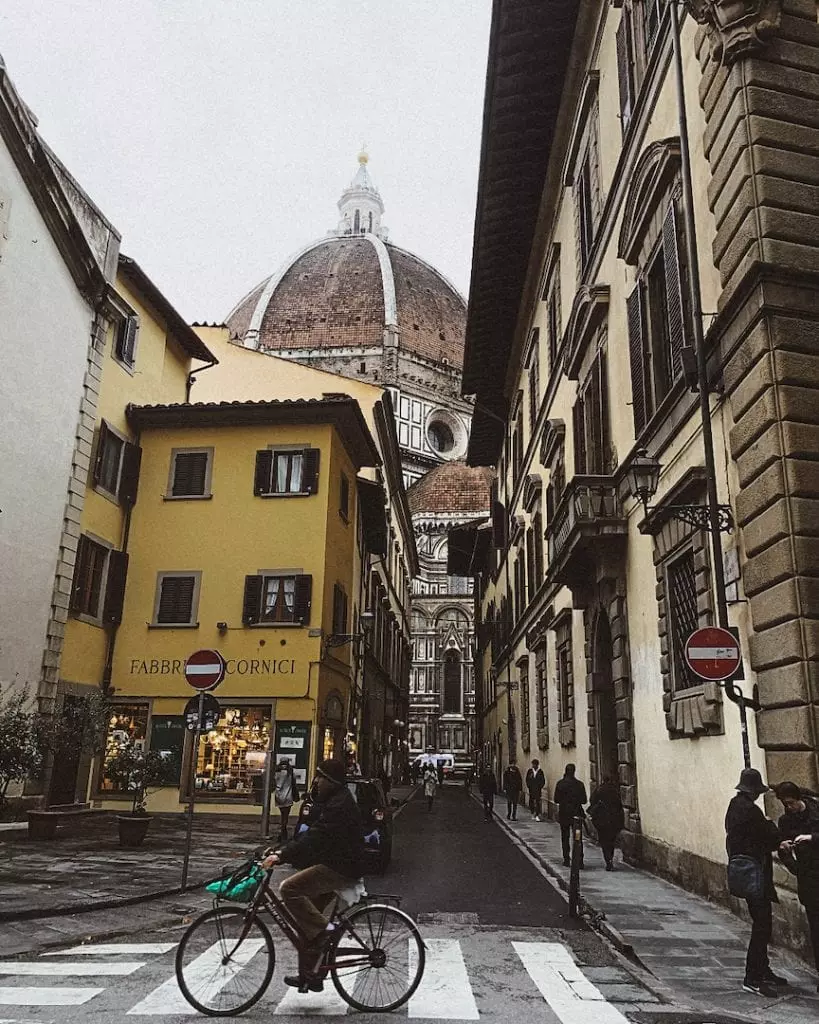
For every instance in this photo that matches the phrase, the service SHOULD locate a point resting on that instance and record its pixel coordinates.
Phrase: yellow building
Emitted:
(247, 538)
(146, 354)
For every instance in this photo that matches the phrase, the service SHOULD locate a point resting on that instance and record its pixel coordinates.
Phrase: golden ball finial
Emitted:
(363, 156)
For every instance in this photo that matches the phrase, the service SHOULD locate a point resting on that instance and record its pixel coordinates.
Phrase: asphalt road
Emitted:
(501, 947)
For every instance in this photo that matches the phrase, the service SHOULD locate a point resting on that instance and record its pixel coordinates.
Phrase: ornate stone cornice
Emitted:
(736, 28)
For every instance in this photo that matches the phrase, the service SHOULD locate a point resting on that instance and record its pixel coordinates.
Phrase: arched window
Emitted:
(357, 221)
(452, 683)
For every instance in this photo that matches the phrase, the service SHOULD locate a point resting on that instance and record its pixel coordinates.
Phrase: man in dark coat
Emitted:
(512, 785)
(799, 828)
(749, 832)
(570, 795)
(608, 817)
(488, 787)
(328, 856)
(535, 781)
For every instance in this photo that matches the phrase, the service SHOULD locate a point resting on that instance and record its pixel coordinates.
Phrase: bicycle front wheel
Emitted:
(225, 961)
(377, 962)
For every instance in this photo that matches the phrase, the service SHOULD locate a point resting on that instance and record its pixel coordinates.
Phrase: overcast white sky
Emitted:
(217, 135)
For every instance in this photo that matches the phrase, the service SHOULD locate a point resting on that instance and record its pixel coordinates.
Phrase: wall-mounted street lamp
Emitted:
(643, 480)
(339, 639)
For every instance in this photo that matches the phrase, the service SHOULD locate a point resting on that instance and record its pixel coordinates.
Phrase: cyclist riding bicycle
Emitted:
(327, 857)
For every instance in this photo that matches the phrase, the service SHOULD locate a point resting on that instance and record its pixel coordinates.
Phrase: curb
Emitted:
(36, 913)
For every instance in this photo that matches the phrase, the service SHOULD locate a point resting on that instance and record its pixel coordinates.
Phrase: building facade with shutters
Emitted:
(586, 597)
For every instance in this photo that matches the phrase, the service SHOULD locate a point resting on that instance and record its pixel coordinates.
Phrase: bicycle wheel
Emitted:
(377, 961)
(225, 961)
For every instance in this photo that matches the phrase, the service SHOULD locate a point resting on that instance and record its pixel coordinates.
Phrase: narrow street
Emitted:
(501, 947)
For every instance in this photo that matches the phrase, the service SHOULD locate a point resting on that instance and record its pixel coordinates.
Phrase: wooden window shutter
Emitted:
(498, 524)
(310, 471)
(102, 435)
(176, 599)
(579, 421)
(115, 588)
(80, 569)
(634, 316)
(605, 426)
(538, 543)
(624, 69)
(129, 477)
(673, 289)
(264, 469)
(303, 595)
(595, 180)
(252, 602)
(190, 471)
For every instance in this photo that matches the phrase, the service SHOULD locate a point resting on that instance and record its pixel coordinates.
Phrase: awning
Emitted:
(467, 548)
(373, 500)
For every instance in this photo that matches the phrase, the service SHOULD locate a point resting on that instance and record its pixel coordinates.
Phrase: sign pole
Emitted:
(267, 787)
(192, 791)
(743, 725)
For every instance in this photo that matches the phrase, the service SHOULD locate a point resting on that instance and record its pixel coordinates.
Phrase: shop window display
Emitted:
(127, 727)
(231, 756)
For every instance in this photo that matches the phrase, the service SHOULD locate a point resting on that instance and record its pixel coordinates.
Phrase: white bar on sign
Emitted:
(444, 992)
(312, 1004)
(202, 670)
(205, 977)
(709, 653)
(65, 970)
(46, 996)
(114, 949)
(572, 998)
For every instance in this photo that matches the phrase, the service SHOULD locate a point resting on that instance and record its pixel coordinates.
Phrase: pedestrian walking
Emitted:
(468, 779)
(535, 782)
(430, 785)
(570, 795)
(749, 839)
(512, 786)
(286, 793)
(488, 787)
(440, 773)
(799, 828)
(608, 817)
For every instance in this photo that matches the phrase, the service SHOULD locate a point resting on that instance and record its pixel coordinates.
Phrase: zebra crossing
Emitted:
(450, 990)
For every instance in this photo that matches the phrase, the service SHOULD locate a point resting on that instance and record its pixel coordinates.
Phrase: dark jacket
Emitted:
(570, 795)
(748, 831)
(535, 780)
(606, 809)
(335, 837)
(512, 782)
(803, 860)
(488, 786)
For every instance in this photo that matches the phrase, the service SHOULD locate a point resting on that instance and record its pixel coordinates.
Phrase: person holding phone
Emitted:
(799, 852)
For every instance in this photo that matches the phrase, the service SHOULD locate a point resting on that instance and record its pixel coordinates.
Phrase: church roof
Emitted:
(452, 487)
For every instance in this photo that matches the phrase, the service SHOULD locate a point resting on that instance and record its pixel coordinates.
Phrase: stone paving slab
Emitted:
(694, 947)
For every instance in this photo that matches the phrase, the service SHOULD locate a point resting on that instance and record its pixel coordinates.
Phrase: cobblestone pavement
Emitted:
(692, 946)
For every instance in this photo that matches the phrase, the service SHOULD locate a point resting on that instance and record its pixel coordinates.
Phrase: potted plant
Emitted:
(135, 771)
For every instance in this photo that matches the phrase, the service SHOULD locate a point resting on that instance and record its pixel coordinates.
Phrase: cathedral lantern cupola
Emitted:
(360, 206)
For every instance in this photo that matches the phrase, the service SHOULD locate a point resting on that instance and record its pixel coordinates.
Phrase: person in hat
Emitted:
(799, 827)
(287, 794)
(328, 856)
(749, 832)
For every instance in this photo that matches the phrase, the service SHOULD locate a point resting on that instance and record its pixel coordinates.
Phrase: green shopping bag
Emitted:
(238, 889)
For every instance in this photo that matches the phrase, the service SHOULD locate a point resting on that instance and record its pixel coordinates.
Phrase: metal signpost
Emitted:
(713, 653)
(204, 670)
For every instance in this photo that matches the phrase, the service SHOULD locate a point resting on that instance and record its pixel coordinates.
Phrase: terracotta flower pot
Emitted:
(133, 828)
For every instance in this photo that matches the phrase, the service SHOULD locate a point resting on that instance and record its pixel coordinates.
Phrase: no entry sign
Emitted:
(204, 670)
(713, 653)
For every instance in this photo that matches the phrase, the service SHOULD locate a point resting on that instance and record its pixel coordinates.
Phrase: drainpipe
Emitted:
(695, 301)
(190, 380)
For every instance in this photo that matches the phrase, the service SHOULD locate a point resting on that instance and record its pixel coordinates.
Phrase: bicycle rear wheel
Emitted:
(225, 961)
(377, 961)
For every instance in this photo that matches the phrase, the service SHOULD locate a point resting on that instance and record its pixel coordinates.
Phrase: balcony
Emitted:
(587, 531)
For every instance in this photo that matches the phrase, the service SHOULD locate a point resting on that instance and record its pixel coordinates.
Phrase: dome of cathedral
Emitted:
(452, 487)
(349, 288)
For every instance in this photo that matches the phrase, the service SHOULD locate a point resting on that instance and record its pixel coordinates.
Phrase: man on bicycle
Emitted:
(328, 855)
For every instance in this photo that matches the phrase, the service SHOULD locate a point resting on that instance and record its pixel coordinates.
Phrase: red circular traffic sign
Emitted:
(713, 653)
(204, 670)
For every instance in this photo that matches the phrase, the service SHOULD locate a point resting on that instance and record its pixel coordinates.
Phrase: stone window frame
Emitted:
(550, 294)
(193, 617)
(542, 692)
(582, 172)
(207, 492)
(564, 677)
(525, 703)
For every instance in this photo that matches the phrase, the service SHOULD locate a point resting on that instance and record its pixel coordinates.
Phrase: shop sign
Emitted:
(210, 713)
(293, 745)
(233, 666)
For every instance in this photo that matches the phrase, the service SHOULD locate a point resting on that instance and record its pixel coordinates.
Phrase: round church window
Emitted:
(440, 437)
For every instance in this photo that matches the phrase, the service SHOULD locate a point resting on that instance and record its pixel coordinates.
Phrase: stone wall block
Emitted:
(746, 389)
(735, 236)
(799, 766)
(776, 163)
(762, 415)
(734, 189)
(623, 709)
(800, 9)
(776, 604)
(772, 565)
(791, 253)
(787, 728)
(767, 73)
(795, 367)
(802, 478)
(785, 685)
(780, 645)
(625, 752)
(761, 494)
(783, 106)
(755, 347)
(723, 115)
(763, 452)
(622, 688)
(623, 731)
(799, 404)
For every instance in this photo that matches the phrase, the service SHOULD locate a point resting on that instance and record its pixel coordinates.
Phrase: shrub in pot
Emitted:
(135, 771)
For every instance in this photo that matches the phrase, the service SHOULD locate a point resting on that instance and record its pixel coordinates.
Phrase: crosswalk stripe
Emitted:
(65, 970)
(23, 996)
(569, 993)
(313, 1004)
(444, 992)
(115, 949)
(205, 976)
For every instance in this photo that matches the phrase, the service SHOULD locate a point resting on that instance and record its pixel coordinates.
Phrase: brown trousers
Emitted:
(298, 892)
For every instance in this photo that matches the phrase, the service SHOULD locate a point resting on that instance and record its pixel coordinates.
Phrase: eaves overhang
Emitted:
(529, 50)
